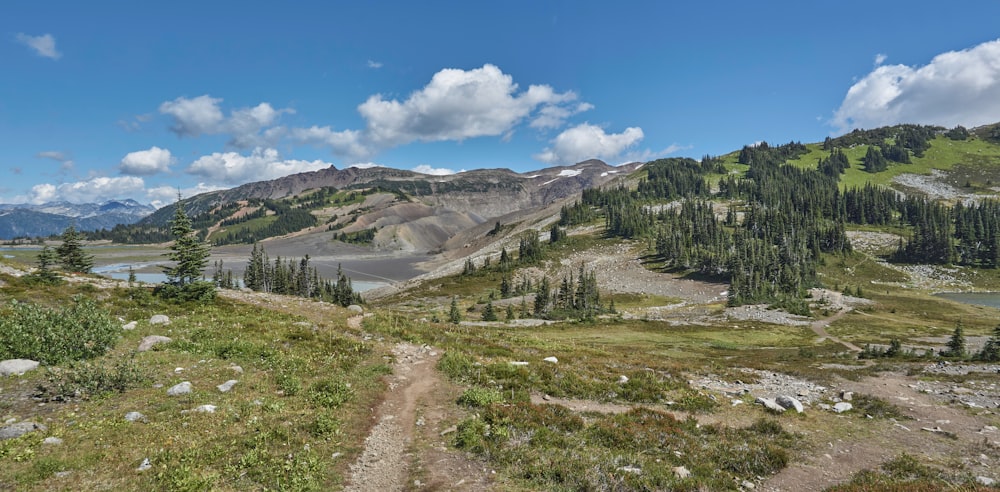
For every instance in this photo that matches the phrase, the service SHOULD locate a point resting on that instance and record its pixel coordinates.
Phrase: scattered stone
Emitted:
(147, 343)
(145, 465)
(62, 474)
(737, 402)
(159, 319)
(52, 440)
(681, 472)
(135, 417)
(205, 409)
(985, 481)
(180, 389)
(988, 429)
(842, 407)
(748, 485)
(551, 359)
(178, 370)
(847, 395)
(630, 469)
(336, 455)
(130, 326)
(823, 406)
(420, 422)
(18, 429)
(449, 430)
(236, 369)
(546, 397)
(788, 403)
(354, 308)
(622, 379)
(518, 363)
(770, 404)
(936, 429)
(17, 367)
(228, 385)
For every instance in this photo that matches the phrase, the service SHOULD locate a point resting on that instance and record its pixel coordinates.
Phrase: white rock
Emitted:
(237, 369)
(987, 481)
(842, 407)
(518, 363)
(205, 409)
(847, 395)
(737, 402)
(622, 379)
(789, 403)
(130, 326)
(135, 417)
(147, 343)
(180, 389)
(551, 359)
(52, 440)
(159, 319)
(630, 469)
(770, 404)
(145, 465)
(228, 385)
(354, 308)
(681, 472)
(12, 367)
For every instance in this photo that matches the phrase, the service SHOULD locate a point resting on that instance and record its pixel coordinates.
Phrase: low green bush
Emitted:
(53, 336)
(84, 380)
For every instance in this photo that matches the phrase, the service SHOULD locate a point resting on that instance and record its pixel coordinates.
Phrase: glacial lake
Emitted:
(991, 299)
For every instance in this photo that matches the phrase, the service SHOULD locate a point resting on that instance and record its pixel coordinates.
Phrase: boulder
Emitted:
(551, 359)
(180, 389)
(130, 325)
(228, 385)
(135, 417)
(847, 395)
(788, 403)
(622, 379)
(842, 407)
(12, 367)
(681, 472)
(19, 429)
(52, 441)
(985, 481)
(147, 343)
(205, 409)
(354, 308)
(770, 404)
(159, 319)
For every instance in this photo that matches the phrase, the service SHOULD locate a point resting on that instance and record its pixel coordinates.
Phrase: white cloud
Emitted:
(374, 64)
(66, 163)
(146, 162)
(955, 88)
(554, 116)
(880, 59)
(455, 105)
(247, 127)
(365, 165)
(586, 141)
(346, 143)
(434, 171)
(165, 195)
(92, 190)
(44, 45)
(262, 164)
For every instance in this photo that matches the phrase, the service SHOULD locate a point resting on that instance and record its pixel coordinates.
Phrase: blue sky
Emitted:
(102, 100)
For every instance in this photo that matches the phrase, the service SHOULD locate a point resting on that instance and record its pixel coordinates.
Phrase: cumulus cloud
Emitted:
(44, 45)
(262, 164)
(434, 171)
(586, 141)
(955, 88)
(164, 195)
(146, 162)
(202, 115)
(66, 163)
(92, 190)
(346, 143)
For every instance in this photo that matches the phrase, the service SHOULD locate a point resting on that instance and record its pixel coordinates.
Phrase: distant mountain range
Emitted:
(20, 220)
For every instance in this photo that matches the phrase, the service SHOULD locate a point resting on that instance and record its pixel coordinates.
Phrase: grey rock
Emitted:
(987, 481)
(205, 408)
(630, 469)
(622, 379)
(19, 429)
(147, 343)
(17, 367)
(847, 395)
(551, 359)
(770, 404)
(130, 326)
(236, 369)
(748, 485)
(159, 319)
(354, 308)
(788, 403)
(518, 363)
(842, 407)
(52, 440)
(135, 417)
(180, 389)
(228, 385)
(681, 472)
(145, 465)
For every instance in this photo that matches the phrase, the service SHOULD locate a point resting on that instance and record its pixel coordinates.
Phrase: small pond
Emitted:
(991, 299)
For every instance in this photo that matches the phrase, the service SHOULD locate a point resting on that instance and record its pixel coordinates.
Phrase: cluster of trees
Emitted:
(916, 138)
(69, 256)
(287, 219)
(297, 278)
(954, 349)
(364, 236)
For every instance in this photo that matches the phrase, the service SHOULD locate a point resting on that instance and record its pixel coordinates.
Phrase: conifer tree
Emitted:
(489, 314)
(454, 315)
(71, 254)
(956, 344)
(189, 253)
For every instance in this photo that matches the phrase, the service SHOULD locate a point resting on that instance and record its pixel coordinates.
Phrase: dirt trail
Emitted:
(819, 328)
(875, 441)
(405, 451)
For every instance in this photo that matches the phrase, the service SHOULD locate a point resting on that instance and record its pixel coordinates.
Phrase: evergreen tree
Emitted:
(489, 314)
(71, 254)
(874, 161)
(189, 253)
(956, 344)
(991, 351)
(542, 297)
(454, 315)
(44, 273)
(510, 313)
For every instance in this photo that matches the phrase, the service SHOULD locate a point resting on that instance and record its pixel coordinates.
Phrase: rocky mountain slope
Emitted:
(18, 220)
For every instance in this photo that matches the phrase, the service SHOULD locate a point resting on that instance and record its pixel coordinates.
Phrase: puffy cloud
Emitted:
(955, 88)
(146, 162)
(588, 141)
(44, 45)
(247, 127)
(262, 164)
(165, 195)
(92, 190)
(554, 116)
(434, 171)
(455, 105)
(346, 143)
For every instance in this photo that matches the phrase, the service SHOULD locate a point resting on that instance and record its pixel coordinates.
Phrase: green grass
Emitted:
(251, 225)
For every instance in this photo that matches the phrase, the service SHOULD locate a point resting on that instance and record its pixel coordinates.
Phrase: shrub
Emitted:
(200, 291)
(329, 393)
(480, 397)
(85, 380)
(81, 331)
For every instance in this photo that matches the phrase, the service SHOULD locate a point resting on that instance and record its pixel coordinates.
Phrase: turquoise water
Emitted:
(991, 299)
